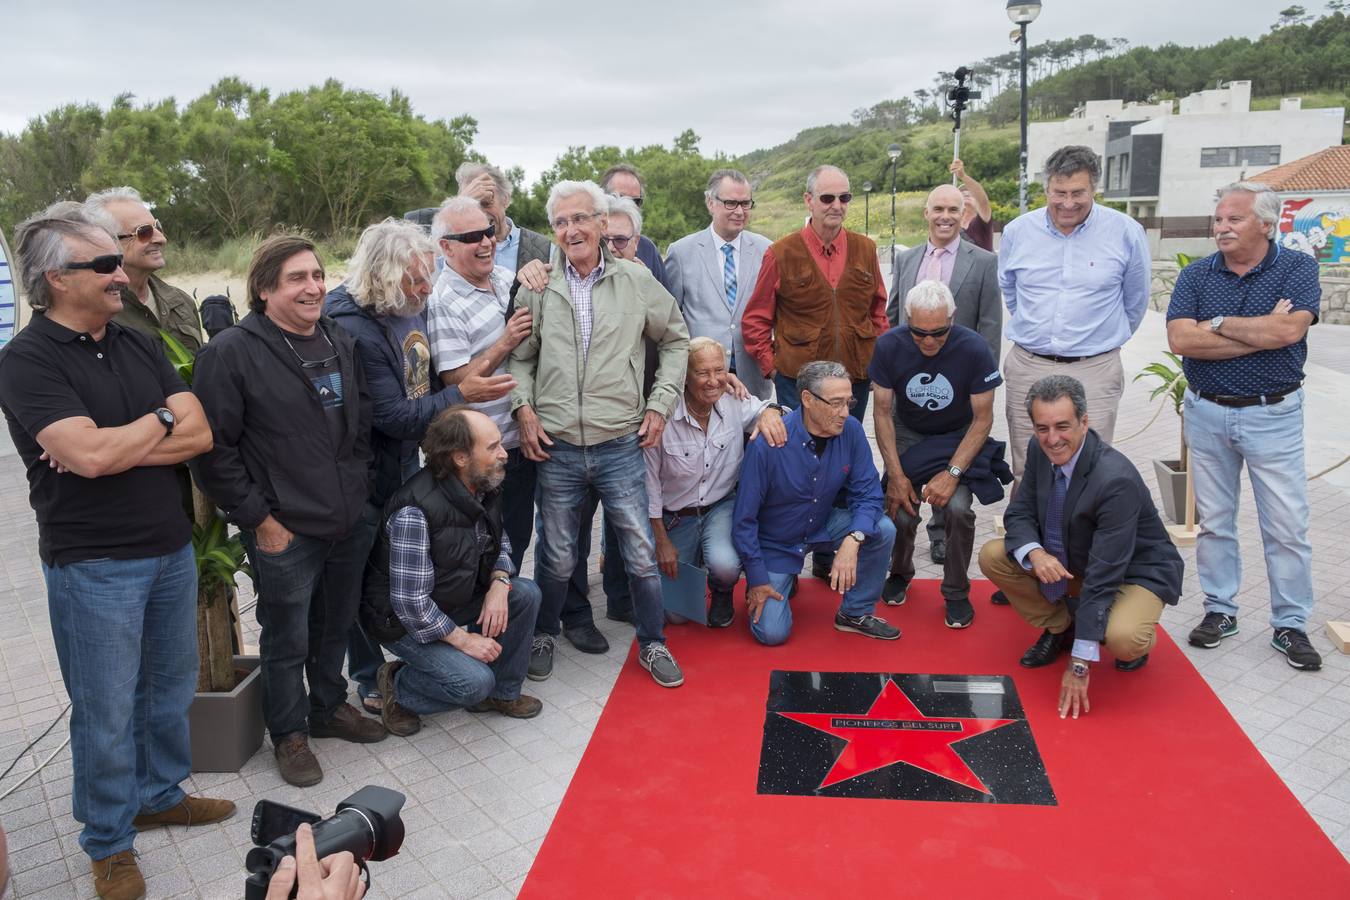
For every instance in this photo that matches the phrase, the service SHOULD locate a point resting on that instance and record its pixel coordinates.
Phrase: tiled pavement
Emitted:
(483, 790)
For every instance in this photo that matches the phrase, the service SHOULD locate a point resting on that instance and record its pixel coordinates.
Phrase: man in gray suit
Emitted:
(712, 272)
(972, 276)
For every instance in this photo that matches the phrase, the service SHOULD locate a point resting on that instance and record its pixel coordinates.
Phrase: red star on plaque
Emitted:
(894, 731)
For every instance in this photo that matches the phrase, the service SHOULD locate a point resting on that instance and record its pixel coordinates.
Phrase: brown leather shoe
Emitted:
(118, 877)
(296, 761)
(189, 811)
(349, 725)
(395, 718)
(523, 707)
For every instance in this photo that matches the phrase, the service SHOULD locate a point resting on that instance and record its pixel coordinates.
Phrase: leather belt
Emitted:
(1062, 359)
(1252, 400)
(688, 511)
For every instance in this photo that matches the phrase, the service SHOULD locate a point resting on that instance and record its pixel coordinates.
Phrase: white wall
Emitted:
(1088, 127)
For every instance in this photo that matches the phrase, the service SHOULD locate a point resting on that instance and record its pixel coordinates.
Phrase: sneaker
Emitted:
(656, 658)
(397, 720)
(1213, 628)
(296, 761)
(188, 811)
(349, 725)
(720, 611)
(893, 591)
(869, 625)
(522, 707)
(960, 613)
(541, 657)
(1298, 650)
(118, 877)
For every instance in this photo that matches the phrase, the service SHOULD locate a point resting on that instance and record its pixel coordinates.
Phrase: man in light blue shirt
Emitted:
(1075, 278)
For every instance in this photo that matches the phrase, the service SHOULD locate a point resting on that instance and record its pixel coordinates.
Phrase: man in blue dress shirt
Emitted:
(784, 507)
(1075, 279)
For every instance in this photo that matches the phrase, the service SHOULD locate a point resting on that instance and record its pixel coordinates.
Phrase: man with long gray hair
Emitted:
(1240, 319)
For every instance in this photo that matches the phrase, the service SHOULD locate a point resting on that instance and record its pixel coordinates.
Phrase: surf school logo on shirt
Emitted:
(931, 392)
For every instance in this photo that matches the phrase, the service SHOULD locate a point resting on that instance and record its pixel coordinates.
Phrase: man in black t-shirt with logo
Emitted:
(286, 397)
(100, 420)
(933, 384)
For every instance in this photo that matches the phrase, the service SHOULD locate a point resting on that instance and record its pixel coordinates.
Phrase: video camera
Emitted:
(367, 824)
(959, 97)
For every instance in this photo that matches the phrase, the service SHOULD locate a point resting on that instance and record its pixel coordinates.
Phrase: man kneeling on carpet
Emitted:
(440, 591)
(784, 507)
(1090, 561)
(692, 473)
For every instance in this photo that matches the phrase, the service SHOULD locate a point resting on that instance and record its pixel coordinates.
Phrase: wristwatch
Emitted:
(858, 536)
(167, 419)
(1079, 668)
(503, 579)
(782, 410)
(1214, 324)
(954, 471)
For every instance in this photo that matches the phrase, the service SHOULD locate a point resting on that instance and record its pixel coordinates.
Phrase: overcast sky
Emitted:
(541, 76)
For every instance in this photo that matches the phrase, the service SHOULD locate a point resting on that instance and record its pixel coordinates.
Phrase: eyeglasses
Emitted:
(143, 233)
(827, 199)
(472, 237)
(920, 334)
(575, 219)
(637, 201)
(618, 241)
(836, 405)
(312, 363)
(103, 265)
(743, 204)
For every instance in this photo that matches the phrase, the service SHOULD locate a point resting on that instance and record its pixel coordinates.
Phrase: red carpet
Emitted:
(1158, 792)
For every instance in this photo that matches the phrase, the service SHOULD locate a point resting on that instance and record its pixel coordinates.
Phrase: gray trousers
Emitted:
(958, 529)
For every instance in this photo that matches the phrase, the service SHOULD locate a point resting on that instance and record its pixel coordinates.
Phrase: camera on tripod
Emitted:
(959, 97)
(366, 824)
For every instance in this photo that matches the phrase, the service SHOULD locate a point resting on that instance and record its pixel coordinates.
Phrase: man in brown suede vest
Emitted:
(820, 296)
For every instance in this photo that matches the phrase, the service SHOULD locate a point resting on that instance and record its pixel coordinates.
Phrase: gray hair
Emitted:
(453, 206)
(564, 189)
(928, 295)
(622, 206)
(811, 376)
(1071, 160)
(622, 169)
(41, 245)
(385, 252)
(1053, 387)
(705, 344)
(1265, 202)
(468, 171)
(819, 171)
(96, 205)
(716, 178)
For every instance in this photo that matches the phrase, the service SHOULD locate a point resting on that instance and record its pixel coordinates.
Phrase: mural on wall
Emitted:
(1319, 226)
(9, 297)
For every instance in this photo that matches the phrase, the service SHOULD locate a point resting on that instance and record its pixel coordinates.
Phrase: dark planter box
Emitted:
(1172, 487)
(226, 729)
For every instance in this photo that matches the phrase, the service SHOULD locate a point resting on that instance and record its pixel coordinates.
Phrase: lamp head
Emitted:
(893, 151)
(867, 187)
(1023, 12)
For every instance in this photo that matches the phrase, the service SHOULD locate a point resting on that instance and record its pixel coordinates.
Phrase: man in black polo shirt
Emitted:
(286, 397)
(100, 418)
(1240, 318)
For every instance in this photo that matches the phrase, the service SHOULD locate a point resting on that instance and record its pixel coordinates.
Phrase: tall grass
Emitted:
(233, 254)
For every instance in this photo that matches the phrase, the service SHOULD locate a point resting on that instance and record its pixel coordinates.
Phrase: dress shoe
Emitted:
(1047, 649)
(1000, 599)
(821, 570)
(937, 552)
(620, 615)
(296, 762)
(893, 591)
(349, 725)
(396, 718)
(586, 638)
(522, 707)
(1132, 665)
(118, 877)
(188, 811)
(720, 611)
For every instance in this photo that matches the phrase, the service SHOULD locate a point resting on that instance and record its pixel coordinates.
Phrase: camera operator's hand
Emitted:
(334, 877)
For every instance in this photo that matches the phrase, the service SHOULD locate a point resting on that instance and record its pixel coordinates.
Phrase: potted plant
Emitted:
(225, 720)
(1172, 473)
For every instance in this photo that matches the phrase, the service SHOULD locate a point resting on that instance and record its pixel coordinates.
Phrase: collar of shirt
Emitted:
(1272, 254)
(1069, 466)
(718, 242)
(950, 246)
(574, 275)
(512, 236)
(58, 332)
(1053, 229)
(814, 242)
(500, 279)
(681, 410)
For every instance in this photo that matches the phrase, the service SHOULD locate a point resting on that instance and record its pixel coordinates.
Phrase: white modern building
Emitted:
(1089, 126)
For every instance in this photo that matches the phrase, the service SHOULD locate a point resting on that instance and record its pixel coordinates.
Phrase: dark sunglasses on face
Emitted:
(472, 237)
(618, 241)
(637, 201)
(827, 199)
(935, 333)
(103, 265)
(143, 233)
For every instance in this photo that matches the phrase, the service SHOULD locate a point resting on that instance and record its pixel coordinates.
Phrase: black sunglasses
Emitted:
(472, 237)
(103, 265)
(143, 233)
(935, 333)
(827, 199)
(637, 201)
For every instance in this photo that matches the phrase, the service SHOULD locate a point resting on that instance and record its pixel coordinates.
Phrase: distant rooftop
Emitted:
(1325, 170)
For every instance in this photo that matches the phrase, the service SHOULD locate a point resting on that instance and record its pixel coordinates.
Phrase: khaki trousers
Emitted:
(1103, 380)
(1131, 626)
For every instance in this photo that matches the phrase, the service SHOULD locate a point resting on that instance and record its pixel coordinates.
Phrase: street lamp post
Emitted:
(867, 207)
(893, 151)
(1023, 13)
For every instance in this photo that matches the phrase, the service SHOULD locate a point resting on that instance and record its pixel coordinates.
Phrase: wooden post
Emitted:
(1184, 535)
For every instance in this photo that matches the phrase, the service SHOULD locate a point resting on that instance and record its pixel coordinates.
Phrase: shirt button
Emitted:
(100, 355)
(82, 337)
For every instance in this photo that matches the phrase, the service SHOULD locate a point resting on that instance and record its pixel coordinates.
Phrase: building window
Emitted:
(1219, 157)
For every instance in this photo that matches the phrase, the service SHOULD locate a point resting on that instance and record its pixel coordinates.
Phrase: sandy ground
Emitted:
(207, 283)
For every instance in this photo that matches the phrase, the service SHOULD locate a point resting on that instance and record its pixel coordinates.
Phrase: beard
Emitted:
(489, 479)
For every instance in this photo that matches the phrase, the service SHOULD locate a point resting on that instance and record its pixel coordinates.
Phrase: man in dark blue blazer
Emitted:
(1086, 557)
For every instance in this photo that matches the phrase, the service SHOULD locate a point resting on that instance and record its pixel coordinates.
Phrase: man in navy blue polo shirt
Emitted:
(1240, 318)
(784, 507)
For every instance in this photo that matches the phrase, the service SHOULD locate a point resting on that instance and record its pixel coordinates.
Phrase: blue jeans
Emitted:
(126, 638)
(1269, 439)
(307, 599)
(874, 557)
(614, 473)
(438, 677)
(706, 541)
(576, 608)
(364, 656)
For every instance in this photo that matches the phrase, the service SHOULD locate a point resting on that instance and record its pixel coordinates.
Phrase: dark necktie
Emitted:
(1054, 536)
